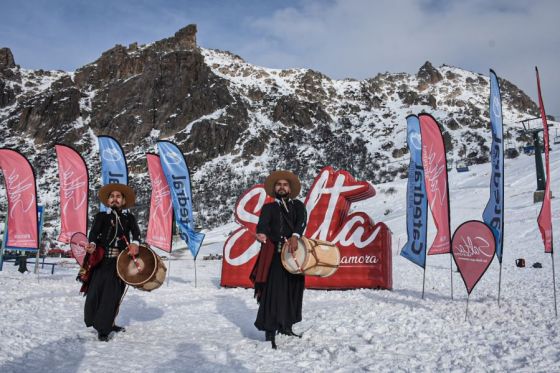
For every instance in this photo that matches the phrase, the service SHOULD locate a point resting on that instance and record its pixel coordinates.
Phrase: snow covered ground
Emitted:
(183, 328)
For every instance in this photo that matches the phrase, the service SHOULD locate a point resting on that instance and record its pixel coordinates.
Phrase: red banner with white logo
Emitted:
(161, 210)
(545, 216)
(437, 189)
(473, 250)
(74, 188)
(365, 246)
(22, 200)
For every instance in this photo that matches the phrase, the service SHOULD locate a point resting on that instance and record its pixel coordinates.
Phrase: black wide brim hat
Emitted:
(270, 182)
(125, 190)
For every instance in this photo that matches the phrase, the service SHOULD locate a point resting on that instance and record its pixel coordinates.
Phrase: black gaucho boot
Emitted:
(289, 332)
(102, 337)
(271, 336)
(118, 329)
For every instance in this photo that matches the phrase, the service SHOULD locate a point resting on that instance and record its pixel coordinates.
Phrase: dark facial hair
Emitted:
(117, 209)
(279, 196)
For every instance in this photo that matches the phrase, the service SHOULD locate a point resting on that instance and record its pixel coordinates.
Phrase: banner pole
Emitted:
(554, 283)
(195, 272)
(168, 268)
(451, 272)
(500, 285)
(2, 256)
(36, 270)
(467, 310)
(424, 282)
(39, 238)
(3, 249)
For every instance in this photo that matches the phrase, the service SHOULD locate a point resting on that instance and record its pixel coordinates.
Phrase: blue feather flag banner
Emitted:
(177, 175)
(493, 214)
(113, 163)
(416, 198)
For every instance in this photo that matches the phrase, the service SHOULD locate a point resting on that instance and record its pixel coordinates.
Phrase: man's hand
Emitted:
(261, 237)
(90, 247)
(292, 244)
(133, 249)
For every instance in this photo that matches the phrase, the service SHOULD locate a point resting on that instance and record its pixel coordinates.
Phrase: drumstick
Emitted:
(128, 244)
(294, 257)
(133, 256)
(247, 229)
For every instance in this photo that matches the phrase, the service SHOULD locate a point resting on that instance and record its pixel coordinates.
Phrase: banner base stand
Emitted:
(538, 196)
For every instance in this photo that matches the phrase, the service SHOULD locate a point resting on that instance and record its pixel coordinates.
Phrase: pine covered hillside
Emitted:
(235, 121)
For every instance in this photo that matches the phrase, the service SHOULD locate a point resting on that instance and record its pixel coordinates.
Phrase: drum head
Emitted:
(128, 271)
(329, 255)
(323, 258)
(294, 262)
(157, 280)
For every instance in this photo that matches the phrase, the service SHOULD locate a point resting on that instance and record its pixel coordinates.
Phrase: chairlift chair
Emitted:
(556, 137)
(462, 166)
(529, 149)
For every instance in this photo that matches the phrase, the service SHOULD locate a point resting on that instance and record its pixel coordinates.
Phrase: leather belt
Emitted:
(113, 252)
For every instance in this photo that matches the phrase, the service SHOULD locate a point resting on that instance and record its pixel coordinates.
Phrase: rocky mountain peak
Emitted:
(428, 74)
(8, 75)
(184, 39)
(6, 59)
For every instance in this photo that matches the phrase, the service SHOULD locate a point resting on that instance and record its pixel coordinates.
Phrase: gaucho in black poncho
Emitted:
(111, 230)
(279, 292)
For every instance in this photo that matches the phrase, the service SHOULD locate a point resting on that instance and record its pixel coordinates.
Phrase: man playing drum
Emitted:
(111, 230)
(279, 293)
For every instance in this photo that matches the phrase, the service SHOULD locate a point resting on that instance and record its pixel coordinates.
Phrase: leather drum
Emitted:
(152, 270)
(312, 258)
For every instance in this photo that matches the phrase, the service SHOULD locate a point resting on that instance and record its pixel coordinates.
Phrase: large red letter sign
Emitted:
(365, 247)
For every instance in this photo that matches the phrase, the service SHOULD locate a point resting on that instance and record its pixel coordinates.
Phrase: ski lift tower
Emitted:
(538, 195)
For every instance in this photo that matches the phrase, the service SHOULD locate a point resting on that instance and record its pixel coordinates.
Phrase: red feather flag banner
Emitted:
(74, 188)
(161, 209)
(22, 200)
(434, 161)
(545, 216)
(435, 173)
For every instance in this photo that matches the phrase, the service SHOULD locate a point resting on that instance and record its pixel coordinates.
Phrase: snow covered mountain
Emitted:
(235, 121)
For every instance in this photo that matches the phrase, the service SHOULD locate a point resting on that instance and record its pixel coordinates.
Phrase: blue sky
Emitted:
(340, 38)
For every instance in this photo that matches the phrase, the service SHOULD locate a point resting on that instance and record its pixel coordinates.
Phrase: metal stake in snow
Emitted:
(424, 282)
(168, 268)
(451, 272)
(500, 285)
(554, 283)
(194, 271)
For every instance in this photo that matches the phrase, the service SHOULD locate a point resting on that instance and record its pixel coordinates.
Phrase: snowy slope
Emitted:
(183, 328)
